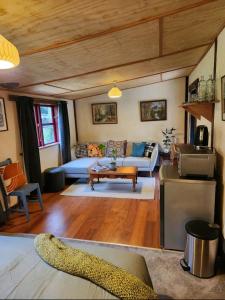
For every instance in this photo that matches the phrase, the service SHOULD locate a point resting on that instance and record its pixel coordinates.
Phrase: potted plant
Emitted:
(113, 162)
(168, 139)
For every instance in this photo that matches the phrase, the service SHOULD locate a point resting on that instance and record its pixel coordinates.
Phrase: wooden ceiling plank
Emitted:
(90, 80)
(9, 75)
(193, 27)
(67, 22)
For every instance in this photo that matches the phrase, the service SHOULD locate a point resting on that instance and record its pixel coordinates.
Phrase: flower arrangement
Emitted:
(168, 138)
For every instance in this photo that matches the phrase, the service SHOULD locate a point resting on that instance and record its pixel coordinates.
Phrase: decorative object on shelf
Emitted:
(9, 55)
(210, 89)
(3, 119)
(114, 92)
(154, 110)
(202, 89)
(168, 139)
(104, 113)
(193, 90)
(223, 97)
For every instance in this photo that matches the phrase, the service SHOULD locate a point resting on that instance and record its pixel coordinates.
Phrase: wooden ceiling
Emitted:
(76, 48)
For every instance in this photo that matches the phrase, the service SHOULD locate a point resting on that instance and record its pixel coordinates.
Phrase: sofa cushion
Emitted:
(107, 160)
(81, 150)
(80, 165)
(148, 149)
(138, 149)
(94, 151)
(120, 147)
(139, 162)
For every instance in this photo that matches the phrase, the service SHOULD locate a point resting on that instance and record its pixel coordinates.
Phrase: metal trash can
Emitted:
(201, 248)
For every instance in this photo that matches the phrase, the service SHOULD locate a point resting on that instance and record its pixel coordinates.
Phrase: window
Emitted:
(46, 124)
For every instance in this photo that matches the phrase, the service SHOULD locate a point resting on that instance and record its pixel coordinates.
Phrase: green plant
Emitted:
(102, 147)
(114, 154)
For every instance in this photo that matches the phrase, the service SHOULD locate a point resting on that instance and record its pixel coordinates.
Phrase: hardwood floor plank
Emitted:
(124, 221)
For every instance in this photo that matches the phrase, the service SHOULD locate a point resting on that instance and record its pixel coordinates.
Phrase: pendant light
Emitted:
(115, 92)
(9, 55)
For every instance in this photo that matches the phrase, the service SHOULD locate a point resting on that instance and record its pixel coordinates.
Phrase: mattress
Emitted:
(24, 275)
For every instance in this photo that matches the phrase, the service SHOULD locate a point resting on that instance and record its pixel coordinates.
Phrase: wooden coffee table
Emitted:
(120, 172)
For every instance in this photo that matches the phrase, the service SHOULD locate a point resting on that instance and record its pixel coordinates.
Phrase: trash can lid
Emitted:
(202, 230)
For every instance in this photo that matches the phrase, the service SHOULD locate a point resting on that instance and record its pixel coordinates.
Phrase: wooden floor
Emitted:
(132, 222)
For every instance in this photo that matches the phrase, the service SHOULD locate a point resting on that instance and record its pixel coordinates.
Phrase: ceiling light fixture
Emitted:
(9, 55)
(115, 92)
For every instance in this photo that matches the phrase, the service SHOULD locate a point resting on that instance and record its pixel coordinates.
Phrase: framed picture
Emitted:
(223, 97)
(3, 120)
(104, 113)
(154, 110)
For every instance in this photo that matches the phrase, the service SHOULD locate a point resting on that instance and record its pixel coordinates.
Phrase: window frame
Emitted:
(40, 125)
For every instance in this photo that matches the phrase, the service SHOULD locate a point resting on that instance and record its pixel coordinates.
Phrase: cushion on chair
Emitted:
(12, 176)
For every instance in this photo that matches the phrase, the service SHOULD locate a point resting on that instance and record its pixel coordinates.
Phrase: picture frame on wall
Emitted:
(153, 110)
(3, 118)
(104, 113)
(223, 97)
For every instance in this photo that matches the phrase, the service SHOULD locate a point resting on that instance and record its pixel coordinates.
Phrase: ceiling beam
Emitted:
(84, 97)
(115, 29)
(113, 67)
(122, 81)
(160, 36)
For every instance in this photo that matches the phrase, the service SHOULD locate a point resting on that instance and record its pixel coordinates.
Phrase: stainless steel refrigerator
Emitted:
(182, 200)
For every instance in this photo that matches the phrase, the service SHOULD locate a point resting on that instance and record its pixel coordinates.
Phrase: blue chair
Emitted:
(22, 193)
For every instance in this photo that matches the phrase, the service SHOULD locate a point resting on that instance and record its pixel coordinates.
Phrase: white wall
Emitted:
(129, 126)
(10, 140)
(205, 68)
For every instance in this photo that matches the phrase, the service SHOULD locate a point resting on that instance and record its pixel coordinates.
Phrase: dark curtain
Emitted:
(64, 130)
(26, 118)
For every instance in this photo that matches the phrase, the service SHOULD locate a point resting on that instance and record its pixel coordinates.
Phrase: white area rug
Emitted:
(115, 188)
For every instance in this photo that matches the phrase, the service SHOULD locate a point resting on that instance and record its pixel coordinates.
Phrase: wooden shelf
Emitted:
(200, 109)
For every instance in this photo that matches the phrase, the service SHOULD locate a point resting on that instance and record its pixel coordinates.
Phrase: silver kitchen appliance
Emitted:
(201, 248)
(182, 200)
(196, 161)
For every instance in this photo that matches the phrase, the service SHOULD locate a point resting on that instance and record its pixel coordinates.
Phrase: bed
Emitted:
(25, 276)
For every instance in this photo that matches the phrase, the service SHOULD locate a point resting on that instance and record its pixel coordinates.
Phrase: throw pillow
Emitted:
(119, 146)
(148, 149)
(12, 177)
(94, 151)
(138, 149)
(81, 150)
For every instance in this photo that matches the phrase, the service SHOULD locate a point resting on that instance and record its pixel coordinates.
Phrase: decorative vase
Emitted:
(210, 89)
(202, 89)
(113, 166)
